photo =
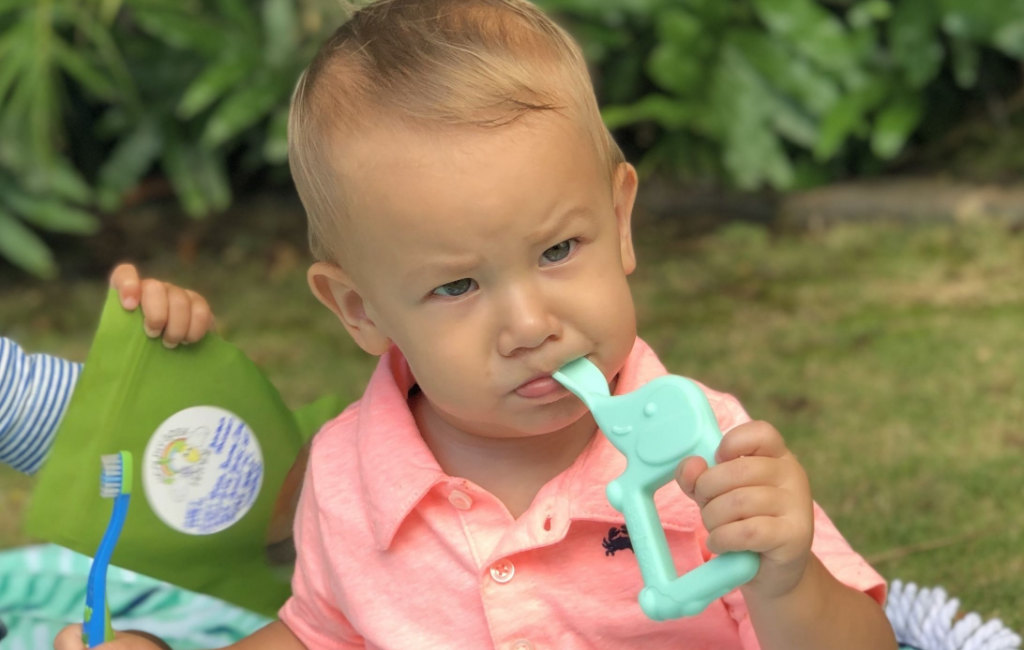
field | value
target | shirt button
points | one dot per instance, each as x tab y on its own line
460	500
522	644
503	571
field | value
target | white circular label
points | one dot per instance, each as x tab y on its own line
202	470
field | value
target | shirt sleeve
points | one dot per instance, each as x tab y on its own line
35	391
828	544
311	613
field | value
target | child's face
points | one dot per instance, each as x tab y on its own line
489	258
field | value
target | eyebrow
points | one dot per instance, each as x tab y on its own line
448	268
463	267
559	224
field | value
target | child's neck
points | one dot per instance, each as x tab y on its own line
512	469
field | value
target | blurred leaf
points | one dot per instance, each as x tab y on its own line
240	13
847	117
682	28
213	180
107	51
11	5
109	9
13	59
1010	39
622	77
895	124
280	27
178	166
180	30
23	248
671	113
60	180
966	61
219	77
753	153
129	160
786	71
50	214
912	36
673	70
974	19
83	71
863	14
275	148
243	109
810	29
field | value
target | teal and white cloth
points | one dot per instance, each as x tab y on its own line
42	589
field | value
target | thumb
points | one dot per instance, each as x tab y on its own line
70	638
687	474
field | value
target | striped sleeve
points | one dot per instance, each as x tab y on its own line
34	394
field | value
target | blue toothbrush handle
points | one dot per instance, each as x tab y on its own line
96	628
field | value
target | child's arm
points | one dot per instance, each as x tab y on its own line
35	390
757	498
820	612
275	636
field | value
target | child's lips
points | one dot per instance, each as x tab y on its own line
539	387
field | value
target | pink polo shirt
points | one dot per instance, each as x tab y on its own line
393	553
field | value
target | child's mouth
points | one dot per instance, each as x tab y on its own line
540	387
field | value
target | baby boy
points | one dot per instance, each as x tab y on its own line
470	215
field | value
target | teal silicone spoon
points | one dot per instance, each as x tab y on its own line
655	427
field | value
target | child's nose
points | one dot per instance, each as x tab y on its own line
527	321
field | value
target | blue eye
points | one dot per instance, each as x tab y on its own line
455	289
559	252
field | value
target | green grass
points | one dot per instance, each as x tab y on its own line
890	358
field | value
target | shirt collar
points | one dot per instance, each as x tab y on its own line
397	469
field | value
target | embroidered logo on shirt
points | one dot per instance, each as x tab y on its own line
617	540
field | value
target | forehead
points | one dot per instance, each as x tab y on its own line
428	185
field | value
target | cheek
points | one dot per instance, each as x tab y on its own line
446	365
602	306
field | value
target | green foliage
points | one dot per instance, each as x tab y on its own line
757	92
175	86
96	95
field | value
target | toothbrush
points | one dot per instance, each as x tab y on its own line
115	483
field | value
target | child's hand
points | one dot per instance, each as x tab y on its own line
757	498
182	316
70	638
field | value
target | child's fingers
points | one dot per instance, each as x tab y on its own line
743	503
154	307
202	318
70	638
687	473
750	471
125	280
179	315
758	534
751	439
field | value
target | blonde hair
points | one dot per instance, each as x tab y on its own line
436	62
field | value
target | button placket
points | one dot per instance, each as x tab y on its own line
502	571
460	500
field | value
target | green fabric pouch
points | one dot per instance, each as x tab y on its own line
213	442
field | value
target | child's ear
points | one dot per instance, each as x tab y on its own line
335	289
624	196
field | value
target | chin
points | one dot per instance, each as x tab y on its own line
555	416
